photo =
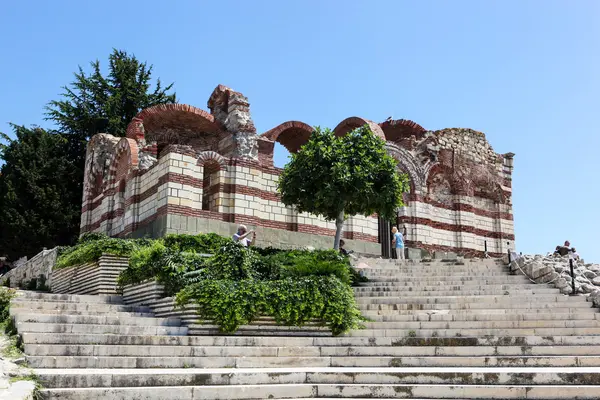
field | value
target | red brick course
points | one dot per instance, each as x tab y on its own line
172	209
465	252
455	228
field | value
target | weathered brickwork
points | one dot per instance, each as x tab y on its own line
178	160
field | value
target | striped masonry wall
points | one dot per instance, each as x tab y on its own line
246	192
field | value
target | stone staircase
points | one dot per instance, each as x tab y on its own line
437	331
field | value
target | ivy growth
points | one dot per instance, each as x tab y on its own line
230	303
233	285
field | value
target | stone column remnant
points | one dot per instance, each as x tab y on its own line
232	110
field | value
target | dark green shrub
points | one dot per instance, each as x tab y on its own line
91	237
232	261
230	303
297	263
144	264
5	296
169	267
202	243
92	250
41	284
30	284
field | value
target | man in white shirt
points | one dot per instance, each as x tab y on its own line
242	236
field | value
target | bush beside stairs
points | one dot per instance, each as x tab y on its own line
437	330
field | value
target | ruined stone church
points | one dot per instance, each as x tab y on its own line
181	169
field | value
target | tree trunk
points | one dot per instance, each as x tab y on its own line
339	224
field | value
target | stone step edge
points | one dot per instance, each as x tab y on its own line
261	341
310	390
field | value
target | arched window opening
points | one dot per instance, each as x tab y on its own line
211	184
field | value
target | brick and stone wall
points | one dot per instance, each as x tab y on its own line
182	169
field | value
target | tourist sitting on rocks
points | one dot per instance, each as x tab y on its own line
563	250
574	254
242	236
344	251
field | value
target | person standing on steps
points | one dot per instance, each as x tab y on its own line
398	244
242	236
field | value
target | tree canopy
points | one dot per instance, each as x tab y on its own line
94	103
42	178
335	177
38	207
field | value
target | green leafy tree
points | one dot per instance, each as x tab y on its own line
336	177
38	207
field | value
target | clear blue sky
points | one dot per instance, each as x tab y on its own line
524	72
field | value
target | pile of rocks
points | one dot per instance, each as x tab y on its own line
556	270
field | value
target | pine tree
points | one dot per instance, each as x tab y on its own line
97	104
41	185
38	207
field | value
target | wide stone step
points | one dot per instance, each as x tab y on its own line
432	269
392	305
483	324
482	292
242	376
433	274
102	329
460	299
435	268
466	361
404	309
422	316
68	298
314	390
442	277
112	362
435	288
340	341
85	313
94	320
474	332
488	361
394	264
453	281
308	351
68	307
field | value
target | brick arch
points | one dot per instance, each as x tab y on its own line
165	119
125	159
396	130
212	157
352	123
409	164
292	134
